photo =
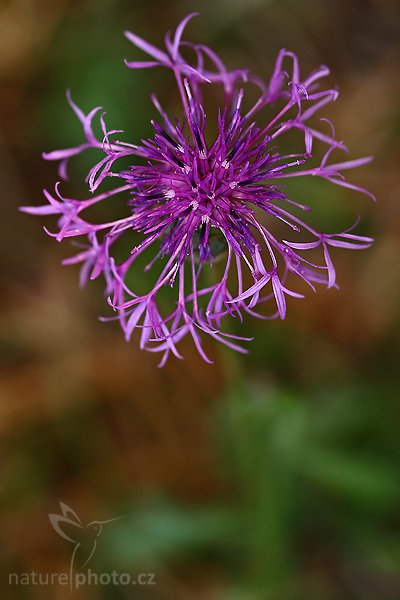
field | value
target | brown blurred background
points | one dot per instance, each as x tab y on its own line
272	476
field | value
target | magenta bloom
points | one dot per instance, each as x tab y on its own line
200	193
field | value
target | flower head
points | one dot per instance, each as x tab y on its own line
196	192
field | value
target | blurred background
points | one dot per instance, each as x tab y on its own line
270	476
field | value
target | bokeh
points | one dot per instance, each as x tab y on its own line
272	476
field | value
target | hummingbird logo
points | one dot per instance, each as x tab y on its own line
84	537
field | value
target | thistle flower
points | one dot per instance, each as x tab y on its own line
203	193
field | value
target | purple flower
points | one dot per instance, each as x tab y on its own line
198	194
